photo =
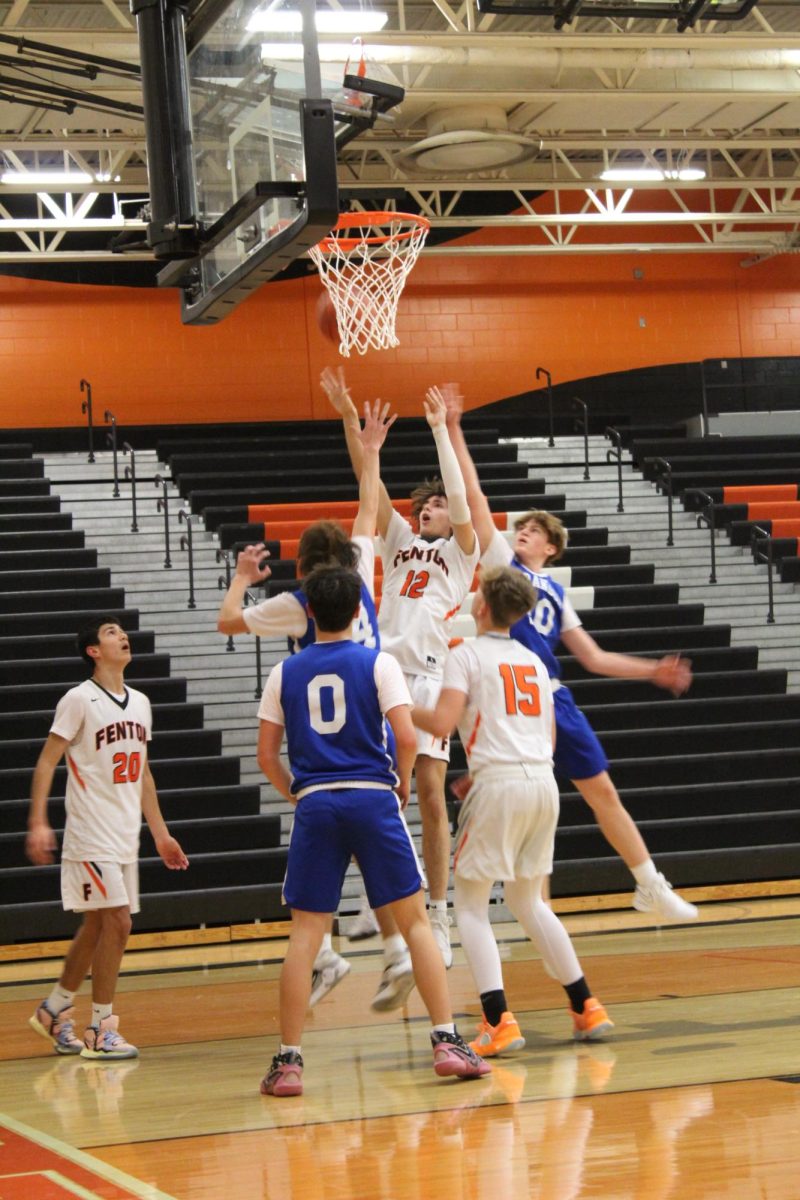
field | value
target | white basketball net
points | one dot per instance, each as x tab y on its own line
364	266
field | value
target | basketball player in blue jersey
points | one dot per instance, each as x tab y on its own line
539	541
330	701
287	614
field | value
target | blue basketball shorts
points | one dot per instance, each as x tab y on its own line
330	827
579	754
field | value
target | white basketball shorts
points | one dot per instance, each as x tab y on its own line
89	885
507	824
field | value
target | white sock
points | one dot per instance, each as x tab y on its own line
451	1028
393	947
59	999
326	943
289	1049
438	905
100	1012
646	873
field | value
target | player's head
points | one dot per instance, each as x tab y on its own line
430	510
101	636
503	596
333	594
539	538
325	543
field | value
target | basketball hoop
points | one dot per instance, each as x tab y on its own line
364	263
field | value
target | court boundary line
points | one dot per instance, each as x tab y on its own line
88	1162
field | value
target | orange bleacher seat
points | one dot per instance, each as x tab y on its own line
774	512
786	529
747	494
317	510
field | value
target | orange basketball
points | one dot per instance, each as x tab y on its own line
326	318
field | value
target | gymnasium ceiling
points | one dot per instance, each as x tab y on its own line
507	121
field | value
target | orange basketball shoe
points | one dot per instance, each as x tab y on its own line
498	1039
593	1023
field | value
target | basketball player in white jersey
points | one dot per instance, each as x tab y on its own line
103	728
499	695
286	615
426	576
331	701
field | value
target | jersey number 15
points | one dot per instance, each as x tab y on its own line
521	689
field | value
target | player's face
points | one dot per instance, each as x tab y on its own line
532	545
114	644
434	518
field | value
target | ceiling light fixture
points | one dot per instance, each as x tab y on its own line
352	21
45	178
651	175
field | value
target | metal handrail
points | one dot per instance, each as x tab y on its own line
708	515
583	421
86	407
544	371
111	440
616	437
186	515
756	529
224	581
130	473
249	598
163	506
668	473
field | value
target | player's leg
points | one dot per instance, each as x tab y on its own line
430	780
524	898
285	1075
451	1054
102	1037
580	757
653	892
54	1017
498	1031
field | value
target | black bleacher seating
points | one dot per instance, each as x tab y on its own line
50	586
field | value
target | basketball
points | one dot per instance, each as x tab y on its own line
326	318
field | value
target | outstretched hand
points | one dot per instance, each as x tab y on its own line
435	408
377	423
335	388
674	674
250	563
453	402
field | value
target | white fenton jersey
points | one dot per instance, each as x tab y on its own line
106	758
509	713
424	584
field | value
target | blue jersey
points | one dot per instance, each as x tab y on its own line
365	625
540	629
334	724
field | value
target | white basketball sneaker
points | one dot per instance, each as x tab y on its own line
658	898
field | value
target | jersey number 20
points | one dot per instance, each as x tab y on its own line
127	767
521	689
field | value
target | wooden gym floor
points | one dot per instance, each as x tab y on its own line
696	1096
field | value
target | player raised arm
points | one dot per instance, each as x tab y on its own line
336	389
452	478
377	423
478	504
251	568
673	673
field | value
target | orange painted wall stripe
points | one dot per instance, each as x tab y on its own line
772	512
770	491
